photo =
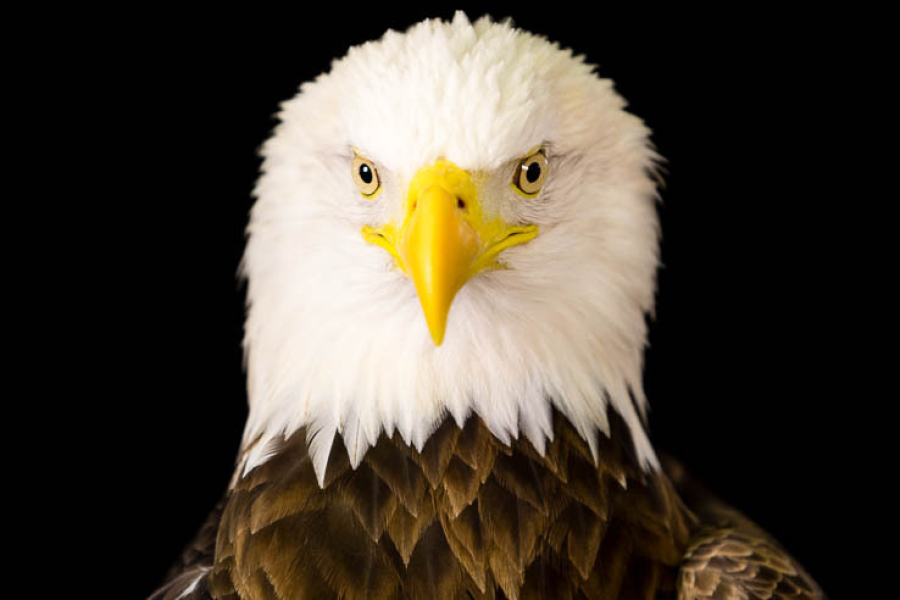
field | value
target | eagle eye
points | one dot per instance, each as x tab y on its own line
365	176
530	173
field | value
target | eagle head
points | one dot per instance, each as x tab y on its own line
456	219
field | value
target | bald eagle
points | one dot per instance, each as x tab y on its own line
449	263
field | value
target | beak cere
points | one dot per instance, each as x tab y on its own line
445	239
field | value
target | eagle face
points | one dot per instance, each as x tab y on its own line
456	219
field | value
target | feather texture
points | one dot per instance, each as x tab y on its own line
466	517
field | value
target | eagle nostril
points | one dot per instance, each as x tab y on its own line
460	203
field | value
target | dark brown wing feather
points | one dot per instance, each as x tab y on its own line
730	557
468	517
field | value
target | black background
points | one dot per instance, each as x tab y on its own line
744	371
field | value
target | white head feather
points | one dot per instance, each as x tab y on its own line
336	340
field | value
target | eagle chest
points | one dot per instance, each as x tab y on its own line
467	517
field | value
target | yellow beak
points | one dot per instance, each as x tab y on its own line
445	239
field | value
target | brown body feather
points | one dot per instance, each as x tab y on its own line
470	517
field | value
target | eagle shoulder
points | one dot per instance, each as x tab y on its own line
736	562
186	579
729	556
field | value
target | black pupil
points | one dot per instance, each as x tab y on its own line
533	172
365	173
